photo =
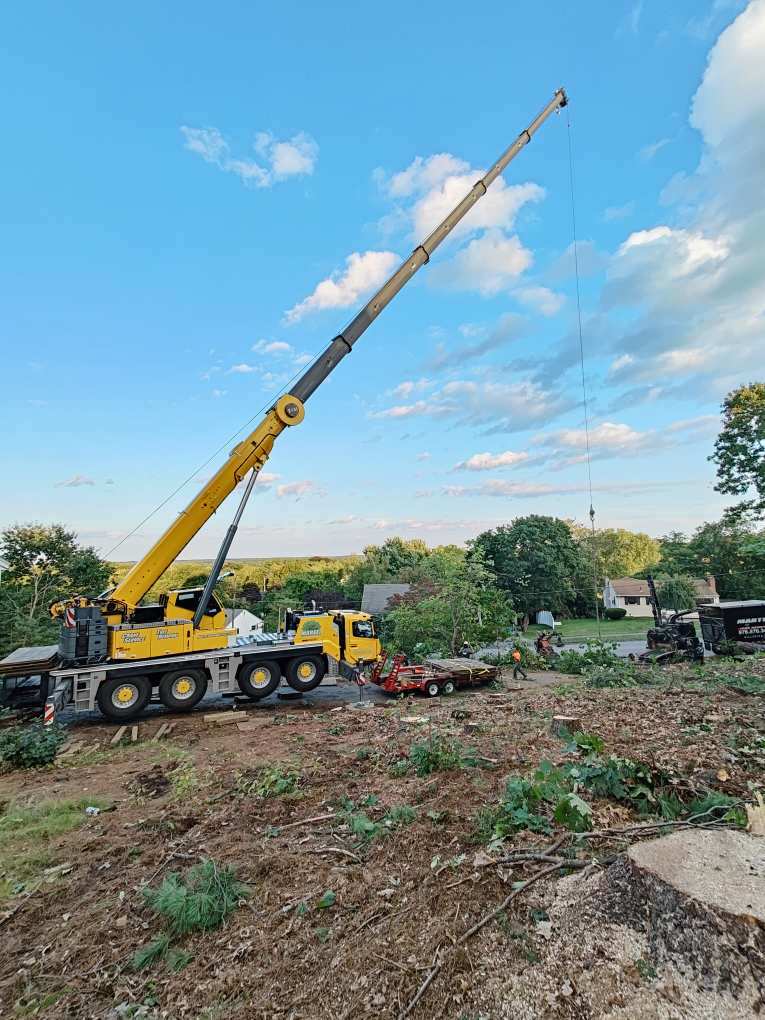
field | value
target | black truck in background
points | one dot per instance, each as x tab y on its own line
733	623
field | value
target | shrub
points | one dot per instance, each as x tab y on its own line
596	653
617	674
615	614
529	658
30	747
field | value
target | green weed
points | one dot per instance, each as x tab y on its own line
402	814
267	782
200	901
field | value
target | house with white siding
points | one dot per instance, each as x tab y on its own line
632	594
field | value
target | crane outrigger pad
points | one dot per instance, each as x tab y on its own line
30	661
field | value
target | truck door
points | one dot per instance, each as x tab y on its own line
361	640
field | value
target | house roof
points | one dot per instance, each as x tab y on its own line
376	597
233	614
626	586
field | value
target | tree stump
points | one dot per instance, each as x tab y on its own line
565	724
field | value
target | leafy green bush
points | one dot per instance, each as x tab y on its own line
437	755
30	747
596	653
529	658
616	613
200	901
402	814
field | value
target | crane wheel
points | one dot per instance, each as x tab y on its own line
259	679
305	673
432	688
182	689
121	699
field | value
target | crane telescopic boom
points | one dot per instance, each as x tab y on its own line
252	453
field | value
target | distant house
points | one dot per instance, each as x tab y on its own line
246	623
376	597
632	594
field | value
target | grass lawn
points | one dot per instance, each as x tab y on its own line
610	630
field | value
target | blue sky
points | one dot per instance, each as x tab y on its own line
195	199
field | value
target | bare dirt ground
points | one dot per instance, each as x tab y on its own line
402	898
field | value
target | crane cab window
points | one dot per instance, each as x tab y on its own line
189	600
363	629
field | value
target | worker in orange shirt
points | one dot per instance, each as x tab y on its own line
519	673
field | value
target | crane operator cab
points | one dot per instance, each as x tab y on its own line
347	635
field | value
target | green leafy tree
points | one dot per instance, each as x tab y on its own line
617	552
675	556
540	566
397	559
677	593
740	451
460	602
45	563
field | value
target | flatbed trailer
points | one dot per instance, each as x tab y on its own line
121	690
432	677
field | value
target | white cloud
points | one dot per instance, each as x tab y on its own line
297	490
266	479
541	299
695	290
303	359
75	481
363	273
618	212
283	159
490	461
242	368
296	157
272	347
565	447
488	264
508	328
409	386
649	151
424	455
503	407
217	394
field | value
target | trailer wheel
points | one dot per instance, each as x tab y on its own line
259	679
432	688
448	687
305	673
123	699
181	689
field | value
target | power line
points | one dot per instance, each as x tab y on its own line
212	456
581	357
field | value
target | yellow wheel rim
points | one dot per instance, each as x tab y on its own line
260	677
305	670
125	694
183	686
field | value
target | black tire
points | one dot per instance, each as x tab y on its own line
122	699
182	689
305	673
432	688
259	679
448	687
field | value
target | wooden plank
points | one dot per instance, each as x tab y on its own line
73	749
160	733
247	727
223	717
134	734
118	736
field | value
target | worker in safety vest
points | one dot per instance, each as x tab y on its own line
519	673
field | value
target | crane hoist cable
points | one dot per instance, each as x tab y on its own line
585	408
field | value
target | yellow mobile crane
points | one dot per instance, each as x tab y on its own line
117	652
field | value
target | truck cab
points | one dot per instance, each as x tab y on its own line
347	635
